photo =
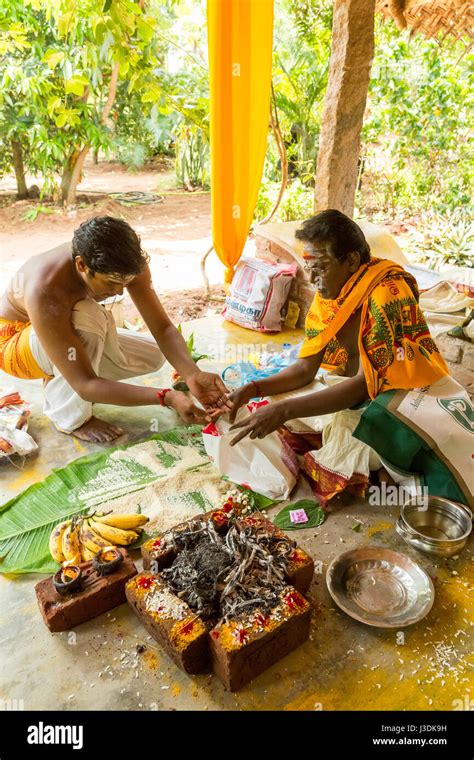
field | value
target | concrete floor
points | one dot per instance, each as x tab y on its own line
344	665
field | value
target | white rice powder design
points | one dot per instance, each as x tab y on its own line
169	499
111	482
147	454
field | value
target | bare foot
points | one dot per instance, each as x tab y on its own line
97	431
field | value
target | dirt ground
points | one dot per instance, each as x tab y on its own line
176	232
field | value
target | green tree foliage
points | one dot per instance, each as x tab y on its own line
416	152
131	77
183	100
67	58
300	69
416	137
87	74
25	87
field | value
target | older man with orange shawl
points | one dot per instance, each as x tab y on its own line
365	323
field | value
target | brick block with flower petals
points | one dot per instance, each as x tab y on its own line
170	621
242	649
237	641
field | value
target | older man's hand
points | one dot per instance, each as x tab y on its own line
261	422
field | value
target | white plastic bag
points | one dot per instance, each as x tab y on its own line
258	294
13	425
267	466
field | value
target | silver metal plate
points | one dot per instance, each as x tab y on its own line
380	587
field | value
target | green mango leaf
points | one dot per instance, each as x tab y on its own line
314	511
67	70
148	97
53	103
145	29
152	94
124	68
106	6
61	119
64	23
133	81
53	57
76	85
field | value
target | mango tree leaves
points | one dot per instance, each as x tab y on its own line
52	57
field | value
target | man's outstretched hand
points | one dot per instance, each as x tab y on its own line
260	423
186	408
209	389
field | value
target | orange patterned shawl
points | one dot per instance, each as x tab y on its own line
395	345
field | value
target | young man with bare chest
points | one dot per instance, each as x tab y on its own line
53	326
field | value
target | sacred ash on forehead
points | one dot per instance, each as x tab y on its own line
120	278
310	252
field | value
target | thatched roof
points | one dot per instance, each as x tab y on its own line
453	18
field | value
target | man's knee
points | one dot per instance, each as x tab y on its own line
156	360
89	316
147	355
143	354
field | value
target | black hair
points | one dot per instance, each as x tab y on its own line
109	245
341	234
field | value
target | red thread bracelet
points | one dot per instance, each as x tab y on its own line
257	388
161	395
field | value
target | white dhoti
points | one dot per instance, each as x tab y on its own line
114	354
342	461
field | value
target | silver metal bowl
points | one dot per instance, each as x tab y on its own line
380	587
434	525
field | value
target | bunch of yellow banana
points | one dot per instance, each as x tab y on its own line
79	539
56	540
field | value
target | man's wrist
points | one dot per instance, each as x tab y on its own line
286	409
253	390
167	397
162	394
193	372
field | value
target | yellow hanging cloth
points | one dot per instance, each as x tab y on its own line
240	34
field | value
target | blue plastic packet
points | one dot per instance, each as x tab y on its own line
242	373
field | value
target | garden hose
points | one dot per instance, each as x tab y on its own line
136	197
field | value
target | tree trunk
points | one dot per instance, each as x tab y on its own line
66	177
95	156
69	197
22	190
76	176
344	105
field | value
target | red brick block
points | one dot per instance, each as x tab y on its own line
242	649
97	594
170	621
